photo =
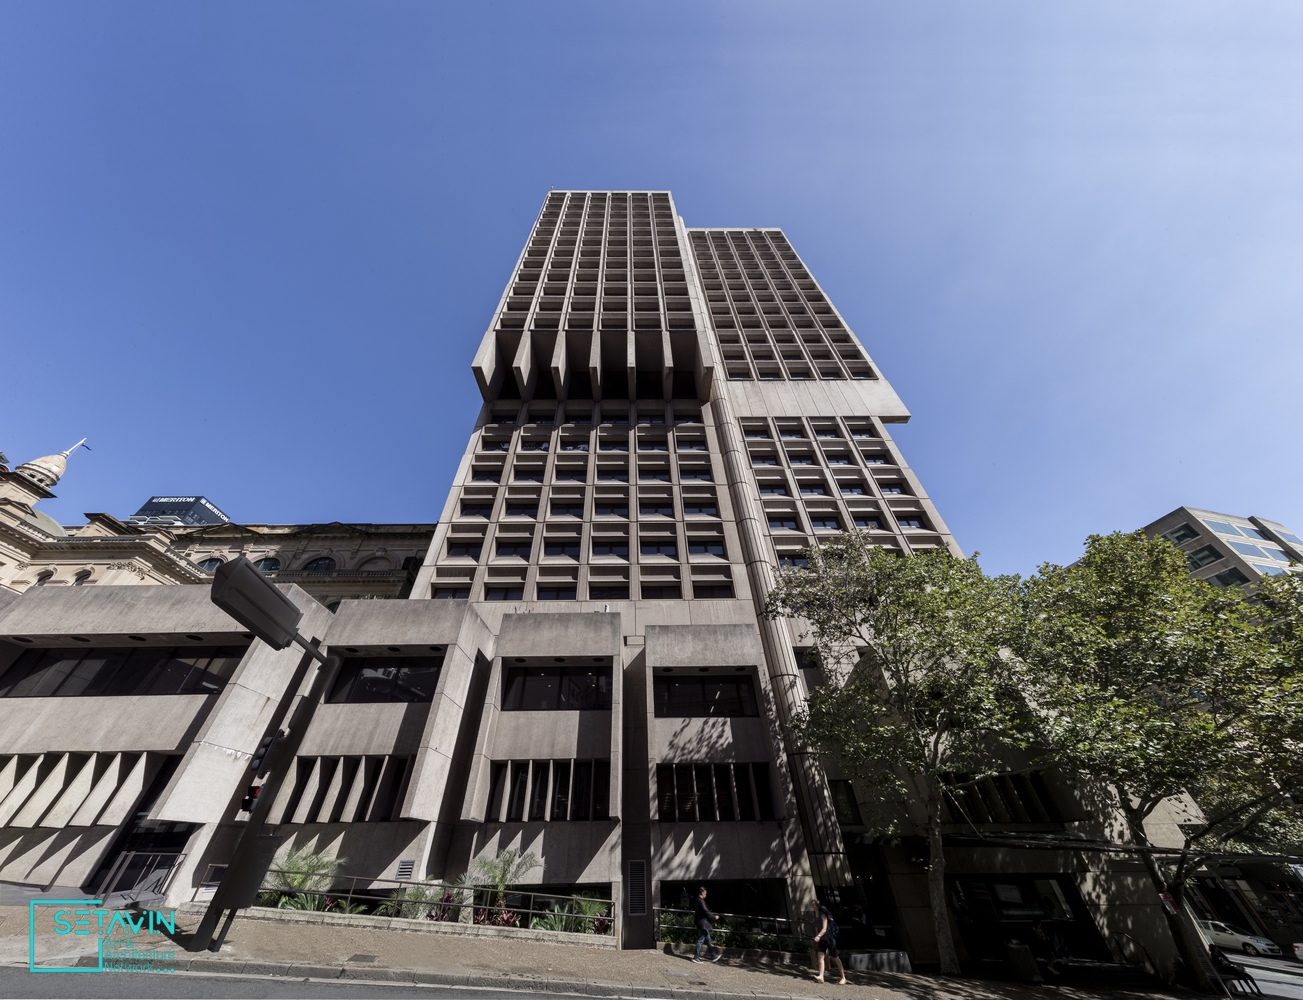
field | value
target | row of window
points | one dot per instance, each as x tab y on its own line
603	506
270	564
618	547
549	791
831	521
120	671
546	591
713	793
646	414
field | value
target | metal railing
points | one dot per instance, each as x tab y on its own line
137	874
732	930
440	901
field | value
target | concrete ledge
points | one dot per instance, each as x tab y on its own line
447	927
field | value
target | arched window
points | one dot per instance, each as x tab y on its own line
332	607
321	564
210	565
82	578
45	578
268	565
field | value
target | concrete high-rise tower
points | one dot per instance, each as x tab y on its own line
669	414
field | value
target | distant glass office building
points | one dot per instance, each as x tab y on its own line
1229	550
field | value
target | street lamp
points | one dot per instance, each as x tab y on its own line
253	601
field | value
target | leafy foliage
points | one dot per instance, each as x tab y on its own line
301	881
1156	683
915	685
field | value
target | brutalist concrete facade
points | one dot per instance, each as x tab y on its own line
581	671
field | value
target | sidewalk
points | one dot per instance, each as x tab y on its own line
272	948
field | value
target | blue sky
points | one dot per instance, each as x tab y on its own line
249	249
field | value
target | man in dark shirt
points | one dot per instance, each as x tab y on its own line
701	913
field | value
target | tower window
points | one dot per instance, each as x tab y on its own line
321	564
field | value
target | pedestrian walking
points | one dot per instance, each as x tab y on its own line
704	918
825	941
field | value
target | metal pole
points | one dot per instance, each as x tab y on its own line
243	855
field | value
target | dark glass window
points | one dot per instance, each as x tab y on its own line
117	671
208	565
711	508
611	547
706	793
658	548
504	593
470	550
452	593
270	564
545	689
661	592
705	548
704	695
522	510
1181	533
826	521
1230	578
322	564
663	509
1203	557
601	593
868	523
386	678
558	548
715	590
520	549
547	592
469	509
782	523
612	509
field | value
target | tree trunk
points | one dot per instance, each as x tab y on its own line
936	883
1189	944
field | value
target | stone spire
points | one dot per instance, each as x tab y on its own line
49	470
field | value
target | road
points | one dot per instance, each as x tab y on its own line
127	985
1279	977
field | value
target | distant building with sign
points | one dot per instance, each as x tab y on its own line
178	511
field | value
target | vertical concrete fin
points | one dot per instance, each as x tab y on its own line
322	813
353	798
8	776
109	774
309	794
50	786
23	787
74	794
128	794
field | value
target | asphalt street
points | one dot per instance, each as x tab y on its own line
21	983
1279	977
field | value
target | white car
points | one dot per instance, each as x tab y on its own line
1230	936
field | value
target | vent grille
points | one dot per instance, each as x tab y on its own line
405	870
637	888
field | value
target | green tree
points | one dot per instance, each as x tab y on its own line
1156	683
503	870
915	686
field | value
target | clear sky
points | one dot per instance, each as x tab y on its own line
249	249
